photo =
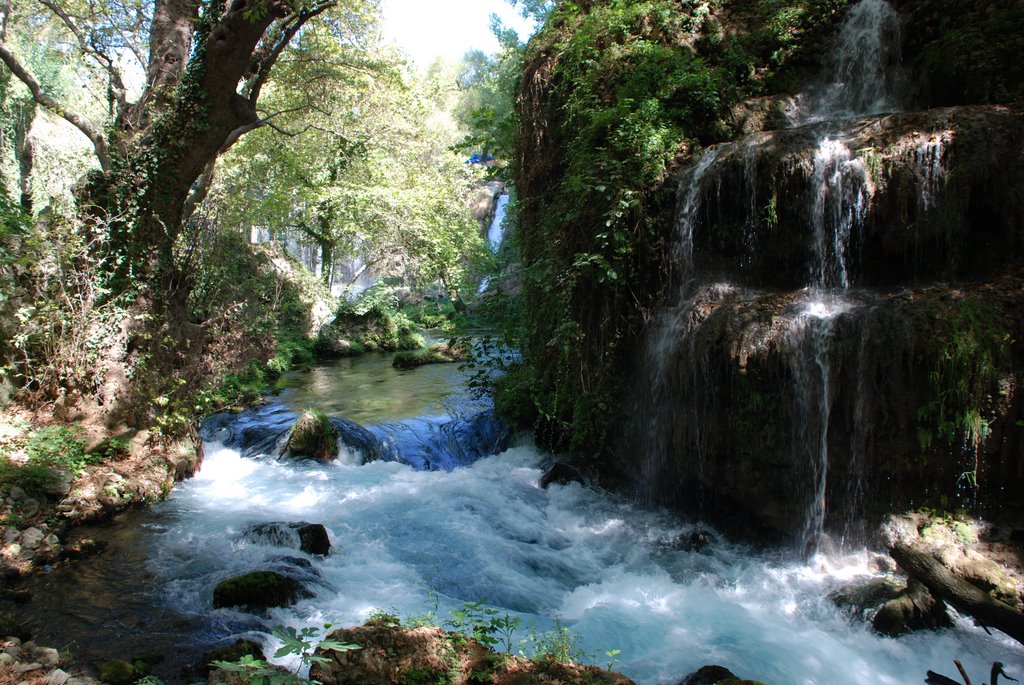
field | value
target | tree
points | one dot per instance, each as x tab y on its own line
206	64
203	67
376	181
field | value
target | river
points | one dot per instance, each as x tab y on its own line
412	541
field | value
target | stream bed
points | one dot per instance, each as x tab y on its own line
428	538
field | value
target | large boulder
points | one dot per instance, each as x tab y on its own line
915	609
311	538
312	437
258	591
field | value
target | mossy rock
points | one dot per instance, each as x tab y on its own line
119	672
444	353
313	437
258	591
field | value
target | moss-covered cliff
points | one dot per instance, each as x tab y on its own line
613	96
617	101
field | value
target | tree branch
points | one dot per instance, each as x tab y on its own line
199	192
83	124
289	27
88	47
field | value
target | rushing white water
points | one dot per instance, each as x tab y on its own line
843	191
610	570
496	232
866	76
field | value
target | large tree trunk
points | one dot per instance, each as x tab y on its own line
957	592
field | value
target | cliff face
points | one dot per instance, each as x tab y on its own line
800	308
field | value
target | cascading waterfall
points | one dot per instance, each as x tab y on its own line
691	188
496	231
495	235
843	190
929	169
866	74
809	340
864	80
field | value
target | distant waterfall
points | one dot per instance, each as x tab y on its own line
496	232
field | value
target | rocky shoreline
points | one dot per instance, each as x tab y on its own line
35	522
26	663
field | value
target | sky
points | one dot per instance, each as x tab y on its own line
428	29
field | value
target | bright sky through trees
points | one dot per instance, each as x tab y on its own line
428	29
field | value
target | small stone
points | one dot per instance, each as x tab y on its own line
17	494
31	538
28	668
47	656
12	550
60	486
6	659
51	540
28	508
11	535
58	677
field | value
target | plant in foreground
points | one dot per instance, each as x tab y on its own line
302	643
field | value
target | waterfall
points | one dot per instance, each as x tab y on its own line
842	192
691	187
929	169
496	232
810	339
680	382
866	75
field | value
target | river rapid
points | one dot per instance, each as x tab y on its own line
412	541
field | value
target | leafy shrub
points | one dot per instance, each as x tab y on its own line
62	447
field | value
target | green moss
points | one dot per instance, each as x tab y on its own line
313	436
258	590
969	355
119	672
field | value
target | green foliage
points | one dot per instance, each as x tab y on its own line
368	323
438	313
455	350
32	478
372	178
383	617
63	447
488	626
302	643
967	368
971	51
560	644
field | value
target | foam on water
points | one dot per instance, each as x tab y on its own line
404	539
